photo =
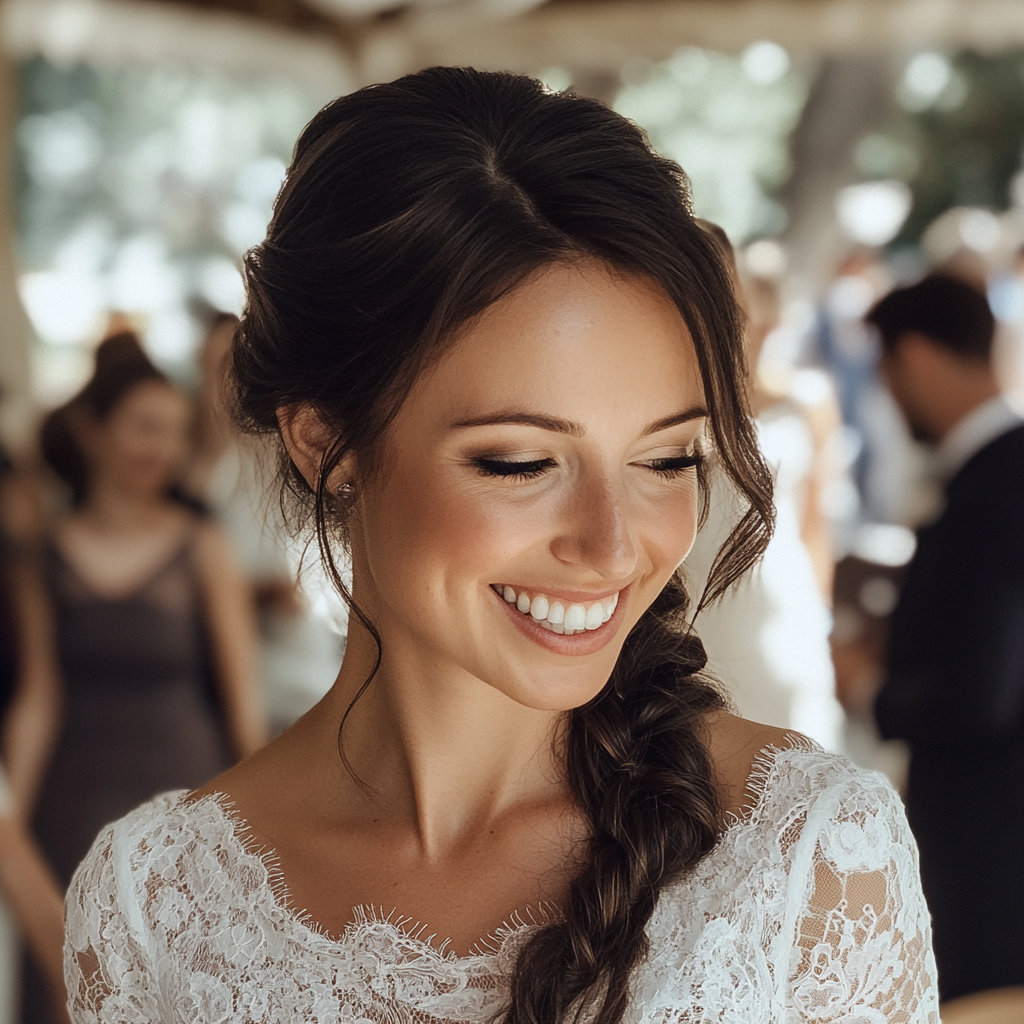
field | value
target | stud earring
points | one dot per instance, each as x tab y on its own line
347	491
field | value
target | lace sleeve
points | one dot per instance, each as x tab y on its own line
106	967
863	952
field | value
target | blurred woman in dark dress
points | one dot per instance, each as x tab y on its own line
147	604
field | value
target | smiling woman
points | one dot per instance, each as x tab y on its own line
494	346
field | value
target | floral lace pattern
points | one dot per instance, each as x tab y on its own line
808	910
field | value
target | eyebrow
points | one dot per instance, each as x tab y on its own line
560	426
693	413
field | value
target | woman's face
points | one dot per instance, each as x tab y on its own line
537	489
141	445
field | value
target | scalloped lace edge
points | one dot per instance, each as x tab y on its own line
486	947
762	768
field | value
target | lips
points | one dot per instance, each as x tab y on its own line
557	615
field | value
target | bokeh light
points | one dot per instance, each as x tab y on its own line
727	120
140	190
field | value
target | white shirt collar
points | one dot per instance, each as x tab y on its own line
977	429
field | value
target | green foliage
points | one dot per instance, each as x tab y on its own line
961	147
728	130
139	188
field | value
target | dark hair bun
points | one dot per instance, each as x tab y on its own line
121	363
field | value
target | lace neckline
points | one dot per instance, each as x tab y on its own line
405	932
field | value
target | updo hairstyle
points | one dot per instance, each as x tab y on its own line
408	209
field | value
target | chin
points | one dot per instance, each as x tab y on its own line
549	696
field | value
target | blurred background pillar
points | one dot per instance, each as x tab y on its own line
16	404
849	97
17	418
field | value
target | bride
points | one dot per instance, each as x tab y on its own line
495	345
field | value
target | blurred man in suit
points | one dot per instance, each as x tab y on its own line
955	675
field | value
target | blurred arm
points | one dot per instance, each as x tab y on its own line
32	723
815	528
34	896
231	621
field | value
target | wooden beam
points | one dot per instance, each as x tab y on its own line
147	32
604	34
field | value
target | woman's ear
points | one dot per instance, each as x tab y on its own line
306	438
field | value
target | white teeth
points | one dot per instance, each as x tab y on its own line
575	617
553	627
555	616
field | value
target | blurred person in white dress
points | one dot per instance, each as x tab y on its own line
301	627
767	638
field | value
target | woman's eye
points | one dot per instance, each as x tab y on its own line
515	470
675	466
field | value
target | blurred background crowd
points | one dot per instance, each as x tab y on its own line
159	620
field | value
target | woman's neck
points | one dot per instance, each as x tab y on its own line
441	751
109	508
214	435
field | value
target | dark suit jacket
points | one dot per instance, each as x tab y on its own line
955	692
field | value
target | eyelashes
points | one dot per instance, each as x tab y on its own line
513	470
530	470
673	467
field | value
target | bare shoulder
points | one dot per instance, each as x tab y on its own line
249	788
734	744
251	777
291	781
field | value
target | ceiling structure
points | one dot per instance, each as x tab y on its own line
334	46
374	40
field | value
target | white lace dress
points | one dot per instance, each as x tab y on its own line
808	910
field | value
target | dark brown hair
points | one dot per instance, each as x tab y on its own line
953	313
121	364
408	209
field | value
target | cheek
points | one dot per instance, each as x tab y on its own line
175	449
115	448
152	451
433	537
672	528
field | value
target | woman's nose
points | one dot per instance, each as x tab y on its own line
596	532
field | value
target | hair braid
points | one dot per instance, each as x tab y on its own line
638	767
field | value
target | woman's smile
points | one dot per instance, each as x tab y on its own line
564	622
